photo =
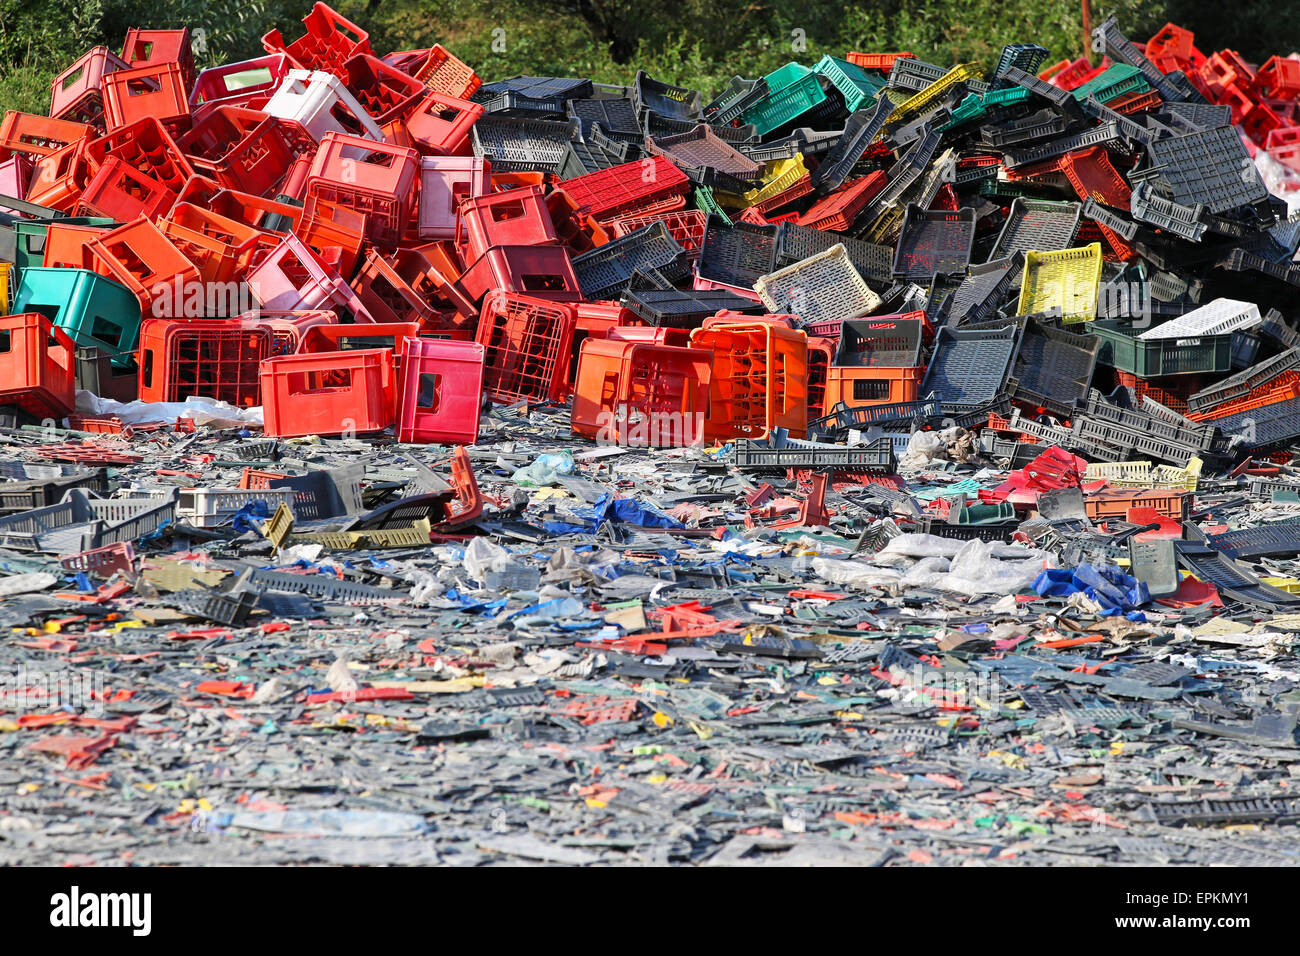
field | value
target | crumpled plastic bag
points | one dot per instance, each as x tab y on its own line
922	448
202	411
482	556
545	471
899	549
855	574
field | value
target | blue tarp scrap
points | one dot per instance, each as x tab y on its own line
1110	587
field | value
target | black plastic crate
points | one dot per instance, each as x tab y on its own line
1054	367
934	242
881	342
796	243
983	290
844	417
604	272
22	488
96	373
860	131
970	367
760	454
1151	208
616	116
1231	579
523	145
230	609
675	102
739	95
1040	125
675	309
738	254
1208	167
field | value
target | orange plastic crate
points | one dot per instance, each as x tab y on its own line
212	358
25	134
144	260
759	381
641	395
328	43
446	74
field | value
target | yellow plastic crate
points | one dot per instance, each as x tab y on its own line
778	176
958	74
1140	474
4	287
1289	585
1068	280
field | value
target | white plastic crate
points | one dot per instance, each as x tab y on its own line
310	97
820	288
210	507
1219	317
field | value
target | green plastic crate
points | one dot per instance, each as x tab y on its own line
1119	80
704	200
92	309
1008	96
851	80
1149	358
792	90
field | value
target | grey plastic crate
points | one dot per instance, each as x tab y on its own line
604	272
1038	225
970	367
934	242
1054	367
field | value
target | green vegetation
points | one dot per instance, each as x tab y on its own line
696	43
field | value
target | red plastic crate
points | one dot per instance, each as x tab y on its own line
327	393
212	358
381	185
439	125
441	392
59	179
1091	173
331	225
144	260
251	210
1284	146
216	85
1259	121
1279	76
75	94
1172	40
641	395
122	192
384	92
147	146
838	210
528	347
36	366
386	293
287	328
220	248
444	73
158	90
686	226
245	149
329	42
576	231
606	192
516	217
152	47
543	272
25	134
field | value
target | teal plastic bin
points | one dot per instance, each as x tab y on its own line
91	308
851	80
792	90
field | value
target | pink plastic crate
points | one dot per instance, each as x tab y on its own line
445	182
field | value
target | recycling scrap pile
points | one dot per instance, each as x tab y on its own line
879	463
